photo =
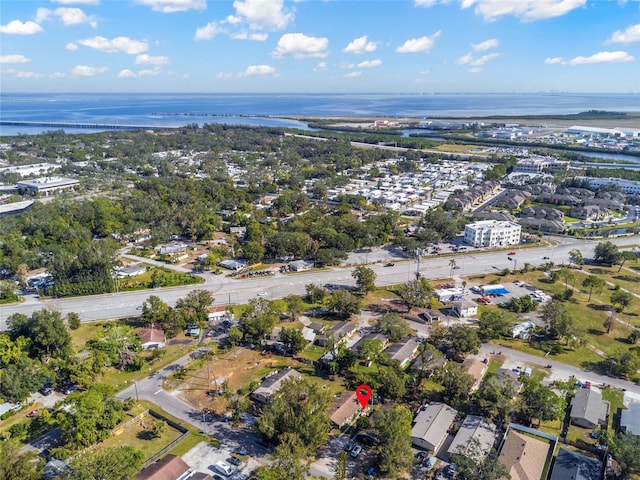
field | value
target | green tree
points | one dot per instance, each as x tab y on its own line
194	305
258	320
73	320
298	408
372	350
622	299
494	397
365	278
344	303
295	306
341	467
537	401
315	294
452	266
393	382
416	293
235	336
462	340
492	324
253	252
393	326
479	466
7	292
159	428
293	339
624	257
19	379
606	253
393	426
557	319
456	384
623	363
114	463
155	311
594	284
626	450
523	304
19	466
46	330
575	256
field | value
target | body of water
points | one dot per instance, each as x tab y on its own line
172	110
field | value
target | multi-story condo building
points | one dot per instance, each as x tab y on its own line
492	233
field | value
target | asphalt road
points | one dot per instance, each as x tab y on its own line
227	290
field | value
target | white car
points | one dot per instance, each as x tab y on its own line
355	451
224	468
262	294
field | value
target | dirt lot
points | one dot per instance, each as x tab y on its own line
238	368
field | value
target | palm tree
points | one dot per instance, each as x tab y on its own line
452	264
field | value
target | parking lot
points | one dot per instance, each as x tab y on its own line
203	457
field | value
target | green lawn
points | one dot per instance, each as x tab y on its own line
137	435
615	399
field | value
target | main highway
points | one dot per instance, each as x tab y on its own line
227	290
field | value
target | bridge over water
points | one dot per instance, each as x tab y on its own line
96	126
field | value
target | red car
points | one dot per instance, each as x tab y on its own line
511	253
33	413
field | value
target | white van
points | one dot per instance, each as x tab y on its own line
224	468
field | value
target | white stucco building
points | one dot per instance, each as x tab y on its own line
492	233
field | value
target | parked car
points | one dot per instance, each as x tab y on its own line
450	470
389	264
349	446
70	389
33	413
429	463
241	451
234	461
511	253
355	451
224	468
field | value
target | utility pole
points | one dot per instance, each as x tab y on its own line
419	253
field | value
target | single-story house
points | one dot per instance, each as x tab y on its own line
300	265
131	270
272	383
465	308
171	248
476	368
475	438
340	332
524	456
371	336
430	316
345	408
151	338
505	375
446	295
575	466
630	416
316	327
588	410
308	334
171	467
217	313
403	351
431	426
233	264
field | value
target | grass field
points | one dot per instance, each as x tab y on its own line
138	435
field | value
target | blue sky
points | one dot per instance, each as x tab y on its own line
316	46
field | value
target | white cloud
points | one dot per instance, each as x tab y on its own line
346	65
320	66
17	27
126	73
68	16
602	57
77	2
484	46
429	3
553	60
14	59
629	35
207	32
263	14
425	72
468	59
525	10
474	70
419	45
258	37
299	45
172	6
72	47
360	45
117	44
353	75
370	64
88	70
22	74
224	76
259	70
57	75
149	60
149	72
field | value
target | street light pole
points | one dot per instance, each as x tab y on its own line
135	385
